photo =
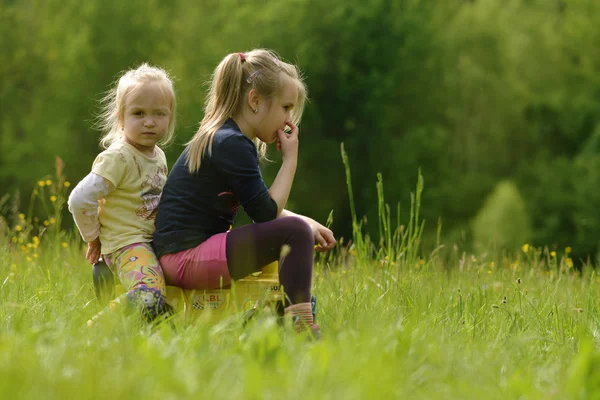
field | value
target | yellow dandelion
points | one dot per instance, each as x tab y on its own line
35	255
53	198
489	272
48	182
492	264
42	183
52	220
525	248
422	262
552	254
67	183
18	228
65	245
568	249
28	258
29	245
21	216
35	245
569	262
23	248
46	223
35	239
14	239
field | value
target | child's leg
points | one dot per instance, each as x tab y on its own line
247	249
251	247
140	274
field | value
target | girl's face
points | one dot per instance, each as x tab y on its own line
276	112
146	117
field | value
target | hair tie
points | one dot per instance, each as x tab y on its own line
242	56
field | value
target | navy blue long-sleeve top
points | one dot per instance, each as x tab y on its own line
193	207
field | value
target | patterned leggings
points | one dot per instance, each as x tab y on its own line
142	277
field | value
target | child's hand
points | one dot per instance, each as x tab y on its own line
323	237
287	143
93	251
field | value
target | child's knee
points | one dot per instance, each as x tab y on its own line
299	227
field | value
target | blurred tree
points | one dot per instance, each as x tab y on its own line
503	222
473	93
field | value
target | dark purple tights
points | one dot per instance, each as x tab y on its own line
251	247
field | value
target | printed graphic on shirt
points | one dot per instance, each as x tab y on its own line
151	190
227	204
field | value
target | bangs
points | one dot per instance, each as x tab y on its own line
164	89
298	109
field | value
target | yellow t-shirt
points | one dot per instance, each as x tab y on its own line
127	214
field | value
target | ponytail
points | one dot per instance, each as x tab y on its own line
222	100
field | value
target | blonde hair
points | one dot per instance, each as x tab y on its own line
233	78
113	103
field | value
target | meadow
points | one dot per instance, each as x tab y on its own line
397	323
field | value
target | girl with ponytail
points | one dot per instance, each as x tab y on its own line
254	99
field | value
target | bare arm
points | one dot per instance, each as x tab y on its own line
282	185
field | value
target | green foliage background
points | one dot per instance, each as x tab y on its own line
471	92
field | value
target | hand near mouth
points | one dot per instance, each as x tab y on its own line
287	143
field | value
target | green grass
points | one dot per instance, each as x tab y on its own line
429	330
396	324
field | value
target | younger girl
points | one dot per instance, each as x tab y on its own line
253	96
115	206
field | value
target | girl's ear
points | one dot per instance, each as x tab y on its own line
253	99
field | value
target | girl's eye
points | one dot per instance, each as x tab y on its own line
138	113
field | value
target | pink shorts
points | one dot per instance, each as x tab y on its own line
202	267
